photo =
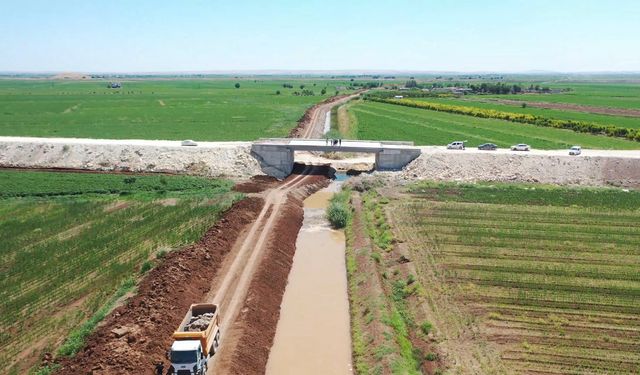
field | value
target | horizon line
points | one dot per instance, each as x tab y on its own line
317	72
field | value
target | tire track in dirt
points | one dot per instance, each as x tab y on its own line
255	268
312	122
241	253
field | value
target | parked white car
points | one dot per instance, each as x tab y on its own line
189	142
575	150
457	145
520	147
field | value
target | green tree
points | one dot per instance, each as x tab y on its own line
237	85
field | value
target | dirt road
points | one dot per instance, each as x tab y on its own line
228	266
312	123
233	284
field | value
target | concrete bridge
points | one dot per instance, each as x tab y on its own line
276	155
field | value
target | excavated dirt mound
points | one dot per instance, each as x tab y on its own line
136	336
256	184
261	310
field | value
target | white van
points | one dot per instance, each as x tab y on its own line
575	150
457	145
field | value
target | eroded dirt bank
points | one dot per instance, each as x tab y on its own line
136	335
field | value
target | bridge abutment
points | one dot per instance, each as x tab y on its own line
395	159
275	160
276	156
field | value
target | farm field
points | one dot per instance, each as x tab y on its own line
545	278
72	243
425	127
615	95
205	109
481	102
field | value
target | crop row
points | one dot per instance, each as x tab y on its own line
55	251
548	282
577	126
40	184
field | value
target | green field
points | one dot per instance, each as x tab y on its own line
548	276
205	109
381	121
73	239
617	95
475	101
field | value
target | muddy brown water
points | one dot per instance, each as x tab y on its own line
313	333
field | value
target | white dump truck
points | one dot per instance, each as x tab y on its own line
196	339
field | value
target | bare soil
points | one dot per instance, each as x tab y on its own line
256	184
135	336
252	323
311	124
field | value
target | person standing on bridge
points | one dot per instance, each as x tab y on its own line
340	142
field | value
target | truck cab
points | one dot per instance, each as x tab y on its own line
187	358
196	339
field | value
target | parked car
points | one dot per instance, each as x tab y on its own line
488	146
520	147
575	150
457	145
189	142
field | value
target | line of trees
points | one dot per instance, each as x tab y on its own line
305	92
577	126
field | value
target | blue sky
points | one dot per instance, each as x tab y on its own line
240	35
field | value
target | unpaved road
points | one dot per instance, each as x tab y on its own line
318	114
231	287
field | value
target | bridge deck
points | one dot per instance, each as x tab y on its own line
344	146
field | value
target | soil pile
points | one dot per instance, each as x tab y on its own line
214	159
199	323
136	336
442	165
